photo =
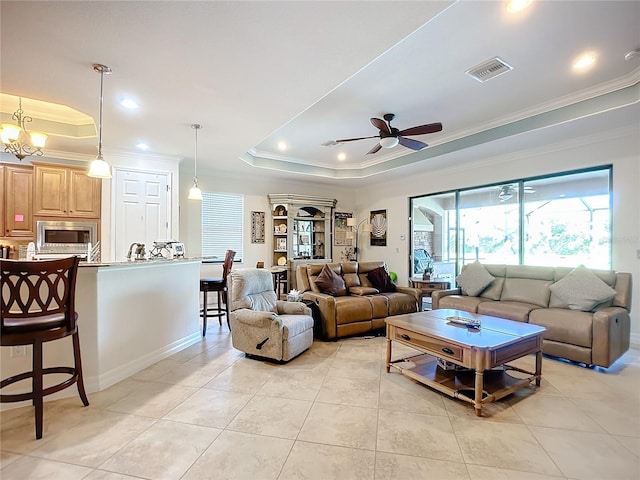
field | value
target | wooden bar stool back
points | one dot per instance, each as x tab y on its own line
218	285
38	306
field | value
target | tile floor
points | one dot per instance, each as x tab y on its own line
209	412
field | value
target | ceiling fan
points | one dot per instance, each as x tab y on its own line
391	136
507	191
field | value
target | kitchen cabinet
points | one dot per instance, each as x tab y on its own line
16	192
64	191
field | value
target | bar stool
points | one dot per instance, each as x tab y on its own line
218	285
38	305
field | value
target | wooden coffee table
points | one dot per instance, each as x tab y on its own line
477	352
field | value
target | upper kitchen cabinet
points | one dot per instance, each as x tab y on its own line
16	193
63	191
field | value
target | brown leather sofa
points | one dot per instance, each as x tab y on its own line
363	308
525	293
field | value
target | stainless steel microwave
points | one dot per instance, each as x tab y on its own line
65	237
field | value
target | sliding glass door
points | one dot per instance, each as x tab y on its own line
562	219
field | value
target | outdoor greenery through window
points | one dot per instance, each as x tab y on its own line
222	225
558	220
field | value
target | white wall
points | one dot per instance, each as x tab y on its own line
620	149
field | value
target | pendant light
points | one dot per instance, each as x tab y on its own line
99	168
194	192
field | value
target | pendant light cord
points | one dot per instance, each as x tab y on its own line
196	127
100	118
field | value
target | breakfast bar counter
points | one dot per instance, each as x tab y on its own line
130	315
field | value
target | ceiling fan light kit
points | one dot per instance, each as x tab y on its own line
390	136
98	167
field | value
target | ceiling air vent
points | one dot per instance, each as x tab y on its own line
489	69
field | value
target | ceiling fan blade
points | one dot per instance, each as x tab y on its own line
354	139
411	143
375	149
422	129
380	125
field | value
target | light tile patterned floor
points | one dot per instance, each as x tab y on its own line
209	412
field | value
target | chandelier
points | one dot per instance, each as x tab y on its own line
17	140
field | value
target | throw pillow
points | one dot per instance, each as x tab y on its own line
330	282
581	289
380	279
474	279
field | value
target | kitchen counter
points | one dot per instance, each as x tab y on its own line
136	263
130	316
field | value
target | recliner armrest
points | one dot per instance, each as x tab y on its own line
255	318
292	308
437	294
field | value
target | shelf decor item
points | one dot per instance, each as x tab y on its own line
281	244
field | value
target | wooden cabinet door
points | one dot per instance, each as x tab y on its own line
84	194
51	191
19	201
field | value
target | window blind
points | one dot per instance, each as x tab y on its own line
222	224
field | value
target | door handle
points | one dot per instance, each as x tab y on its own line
447	350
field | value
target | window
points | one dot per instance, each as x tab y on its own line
555	220
222	225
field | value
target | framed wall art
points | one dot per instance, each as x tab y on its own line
340	229
257	227
378	221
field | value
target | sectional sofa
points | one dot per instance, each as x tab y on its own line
358	307
585	312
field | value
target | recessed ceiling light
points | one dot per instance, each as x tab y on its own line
128	103
342	156
584	62
142	146
517	5
282	146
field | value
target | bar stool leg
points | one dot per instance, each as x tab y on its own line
78	363
219	307
204	313
37	386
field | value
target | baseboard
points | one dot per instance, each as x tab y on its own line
635	340
106	379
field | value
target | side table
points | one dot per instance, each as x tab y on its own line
318	328
427	286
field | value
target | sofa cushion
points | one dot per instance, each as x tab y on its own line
566	326
363	291
461	302
351	309
494	290
518	311
380	279
379	306
474	279
400	303
527	290
582	290
330	282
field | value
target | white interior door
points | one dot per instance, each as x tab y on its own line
142	211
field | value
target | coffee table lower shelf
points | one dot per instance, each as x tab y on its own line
461	383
